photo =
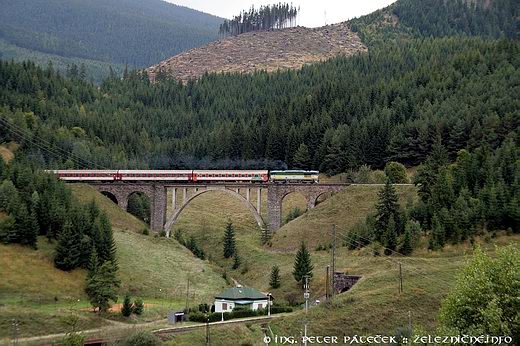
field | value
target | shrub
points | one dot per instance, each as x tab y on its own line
138	306
162	234
396	173
126	310
204	307
141	339
73	339
145	231
278	309
359	236
293	299
293	214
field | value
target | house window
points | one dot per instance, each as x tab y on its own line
260	306
224	306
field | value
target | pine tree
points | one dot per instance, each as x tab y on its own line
126	310
302	264
274	281
229	241
68	254
101	286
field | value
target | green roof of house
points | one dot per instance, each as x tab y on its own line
238	293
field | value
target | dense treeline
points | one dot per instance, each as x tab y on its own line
388	105
276	16
440	18
479	192
134	32
34	204
446	18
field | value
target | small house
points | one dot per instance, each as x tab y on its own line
245	297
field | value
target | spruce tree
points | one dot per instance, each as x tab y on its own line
387	207
68	254
138	306
101	286
437	236
103	239
93	263
274	281
390	237
302	264
406	247
302	157
229	241
236	260
126	309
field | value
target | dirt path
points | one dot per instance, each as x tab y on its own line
122	327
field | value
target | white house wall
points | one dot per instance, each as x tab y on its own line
231	305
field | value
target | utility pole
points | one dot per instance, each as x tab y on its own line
333	279
207	331
187	293
400	279
269	304
15	332
306	295
327	283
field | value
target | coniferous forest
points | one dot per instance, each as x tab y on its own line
269	17
101	34
391	104
446	101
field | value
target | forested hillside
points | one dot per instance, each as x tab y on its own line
134	32
390	104
440	18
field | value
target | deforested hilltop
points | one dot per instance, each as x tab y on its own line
289	48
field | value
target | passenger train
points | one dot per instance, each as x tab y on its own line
191	176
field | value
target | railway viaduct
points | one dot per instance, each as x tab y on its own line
182	194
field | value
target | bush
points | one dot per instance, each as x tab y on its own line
293	299
145	231
278	309
204	307
293	214
73	339
396	173
138	306
126	310
179	236
141	339
359	236
238	312
162	234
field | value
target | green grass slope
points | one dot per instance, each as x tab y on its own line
372	306
344	210
156	269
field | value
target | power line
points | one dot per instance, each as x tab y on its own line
394	262
46	146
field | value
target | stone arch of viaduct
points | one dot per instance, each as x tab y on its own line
157	193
